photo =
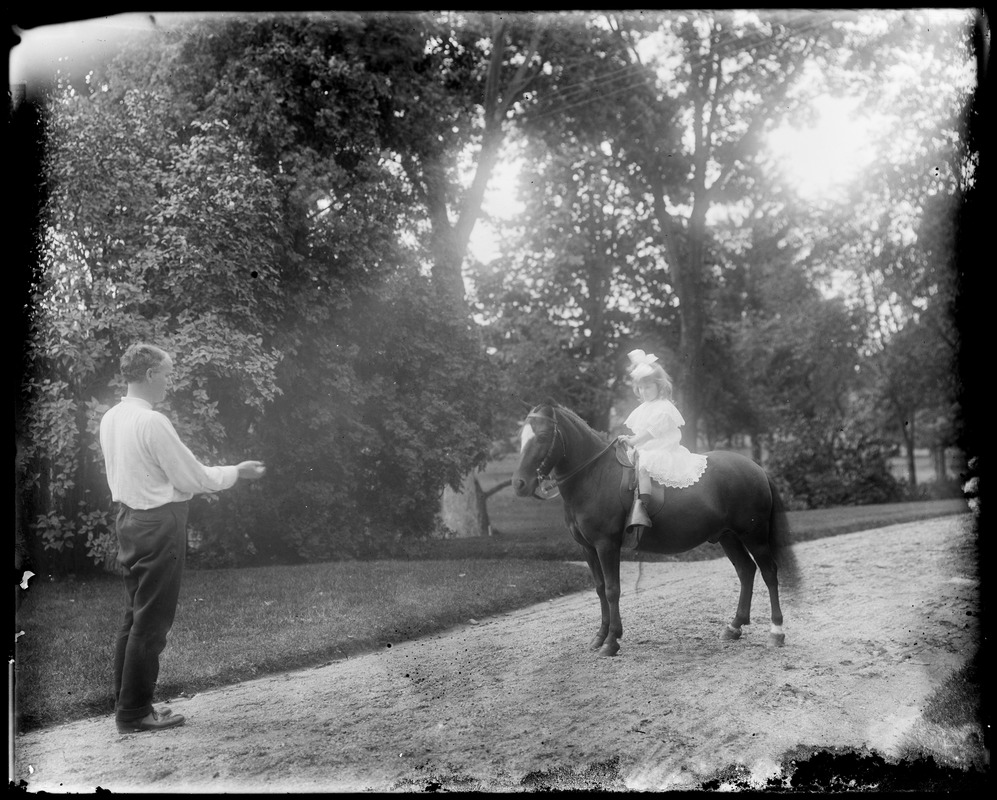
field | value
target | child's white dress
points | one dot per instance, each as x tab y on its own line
664	458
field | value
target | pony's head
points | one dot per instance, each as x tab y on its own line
541	446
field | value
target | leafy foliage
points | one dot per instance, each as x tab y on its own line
381	412
150	236
302	327
852	467
557	310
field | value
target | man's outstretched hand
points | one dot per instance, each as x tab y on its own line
251	470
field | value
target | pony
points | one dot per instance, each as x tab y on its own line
734	503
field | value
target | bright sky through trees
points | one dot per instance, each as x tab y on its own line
821	158
502	203
818	160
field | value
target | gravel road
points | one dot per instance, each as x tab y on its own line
518	702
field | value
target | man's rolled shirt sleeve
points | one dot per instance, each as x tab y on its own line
181	467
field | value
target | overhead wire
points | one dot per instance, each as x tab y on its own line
691	62
586	88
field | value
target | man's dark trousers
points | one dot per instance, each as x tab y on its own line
152	545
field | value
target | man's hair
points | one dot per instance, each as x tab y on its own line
139	358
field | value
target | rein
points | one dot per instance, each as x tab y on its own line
579	468
545	475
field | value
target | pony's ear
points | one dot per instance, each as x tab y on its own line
527	405
550	401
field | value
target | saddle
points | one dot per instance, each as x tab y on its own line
628	490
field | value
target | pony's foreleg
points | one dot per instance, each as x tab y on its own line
609	559
592	558
745	567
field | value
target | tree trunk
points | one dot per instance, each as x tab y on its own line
462	512
941	472
691	315
465	512
686	265
757	453
911	462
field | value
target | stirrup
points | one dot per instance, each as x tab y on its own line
638	516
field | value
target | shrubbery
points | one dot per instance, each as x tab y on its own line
946	489
378	414
850	468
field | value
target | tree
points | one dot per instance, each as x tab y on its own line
469	79
354	182
231	255
578	259
148	232
732	83
575	264
759	249
806	367
684	125
901	237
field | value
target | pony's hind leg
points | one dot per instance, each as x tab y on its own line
745	567
763	556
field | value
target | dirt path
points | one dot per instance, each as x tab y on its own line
517	701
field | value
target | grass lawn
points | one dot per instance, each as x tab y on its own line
237	624
242	623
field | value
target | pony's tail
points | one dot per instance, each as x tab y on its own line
781	542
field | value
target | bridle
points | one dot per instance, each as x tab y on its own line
544	470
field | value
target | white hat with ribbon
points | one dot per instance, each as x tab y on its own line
640	363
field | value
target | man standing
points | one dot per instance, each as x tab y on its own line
152	475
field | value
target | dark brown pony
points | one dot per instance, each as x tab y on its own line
733	503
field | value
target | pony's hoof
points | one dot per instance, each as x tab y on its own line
597	642
777	640
609	649
730	633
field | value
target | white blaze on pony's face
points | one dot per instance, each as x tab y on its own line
527	436
524	478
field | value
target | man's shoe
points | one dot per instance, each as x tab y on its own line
151	722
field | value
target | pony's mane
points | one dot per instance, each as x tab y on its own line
577	419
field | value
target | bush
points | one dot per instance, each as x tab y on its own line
382	407
849	468
932	490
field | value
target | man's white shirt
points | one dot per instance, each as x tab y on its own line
147	464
